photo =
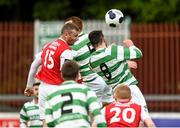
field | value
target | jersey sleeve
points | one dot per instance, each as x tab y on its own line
74	53
144	114
124	53
94	108
103	111
33	69
23	117
66	55
49	114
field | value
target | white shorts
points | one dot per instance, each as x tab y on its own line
102	90
44	90
137	96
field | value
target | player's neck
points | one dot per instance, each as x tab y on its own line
100	46
35	100
123	100
62	37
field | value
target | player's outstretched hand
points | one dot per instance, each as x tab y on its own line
28	91
132	64
128	43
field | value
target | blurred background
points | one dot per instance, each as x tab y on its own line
153	25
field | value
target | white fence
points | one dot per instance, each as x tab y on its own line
46	31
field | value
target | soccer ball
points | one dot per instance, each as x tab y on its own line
114	17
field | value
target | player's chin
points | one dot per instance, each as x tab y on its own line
71	42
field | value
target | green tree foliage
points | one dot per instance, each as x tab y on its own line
156	10
51	10
138	10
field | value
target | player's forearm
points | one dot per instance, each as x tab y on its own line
149	123
33	69
132	53
132	64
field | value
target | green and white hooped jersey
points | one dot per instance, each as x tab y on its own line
29	115
82	50
69	106
110	63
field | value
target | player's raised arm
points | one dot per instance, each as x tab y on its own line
134	51
132	64
126	52
33	69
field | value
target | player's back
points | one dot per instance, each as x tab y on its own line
106	63
123	114
69	105
83	49
50	71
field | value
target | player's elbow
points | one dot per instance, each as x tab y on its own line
139	54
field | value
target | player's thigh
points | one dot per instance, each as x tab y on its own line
137	95
97	85
107	95
102	90
44	90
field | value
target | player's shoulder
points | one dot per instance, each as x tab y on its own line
82	86
66	87
135	105
112	46
82	40
110	105
38	55
83	36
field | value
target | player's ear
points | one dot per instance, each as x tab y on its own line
130	98
78	76
66	34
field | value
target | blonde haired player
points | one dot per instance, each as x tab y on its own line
51	60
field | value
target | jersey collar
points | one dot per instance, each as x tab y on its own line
80	34
62	39
33	102
123	101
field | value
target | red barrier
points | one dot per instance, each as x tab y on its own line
9	123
